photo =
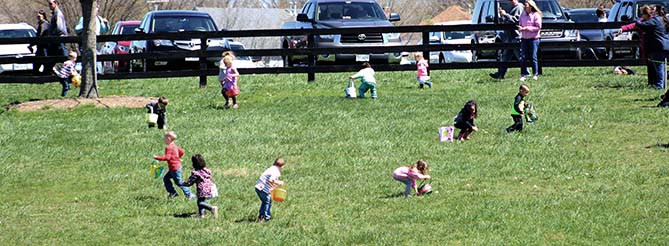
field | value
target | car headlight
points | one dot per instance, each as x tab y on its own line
328	37
394	37
162	42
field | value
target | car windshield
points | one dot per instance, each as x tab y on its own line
183	24
128	29
234	47
17	33
350	11
584	16
550	9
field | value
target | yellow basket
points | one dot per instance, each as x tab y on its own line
279	193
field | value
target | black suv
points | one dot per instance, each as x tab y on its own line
485	12
628	11
167	21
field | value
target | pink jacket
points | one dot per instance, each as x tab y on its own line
532	22
408	172
642	37
422	66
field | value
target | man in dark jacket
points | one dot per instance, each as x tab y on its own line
510	36
42	31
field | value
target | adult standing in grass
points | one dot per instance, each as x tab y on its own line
530	27
41	49
57	28
268	180
510	36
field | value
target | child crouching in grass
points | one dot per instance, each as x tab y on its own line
205	188
409	174
465	120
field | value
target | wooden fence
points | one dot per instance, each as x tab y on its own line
312	52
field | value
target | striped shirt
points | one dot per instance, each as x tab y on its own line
271	174
65	71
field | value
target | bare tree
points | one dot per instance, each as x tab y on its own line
89	85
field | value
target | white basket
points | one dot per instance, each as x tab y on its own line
151	118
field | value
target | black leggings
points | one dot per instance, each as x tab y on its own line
517	123
202	205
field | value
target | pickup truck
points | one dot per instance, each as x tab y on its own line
332	14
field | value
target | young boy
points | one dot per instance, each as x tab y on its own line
518	107
159	107
173	155
66	72
266	183
368	80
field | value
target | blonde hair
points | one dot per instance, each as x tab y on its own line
524	87
171	134
279	162
534	7
228	53
418	55
227	60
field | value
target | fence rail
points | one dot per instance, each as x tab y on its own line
311	68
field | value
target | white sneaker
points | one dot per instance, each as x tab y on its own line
523	78
535	77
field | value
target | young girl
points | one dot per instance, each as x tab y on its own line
409	174
422	66
266	183
173	155
465	120
228	77
202	177
518	105
66	72
368	80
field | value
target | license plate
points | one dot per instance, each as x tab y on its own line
22	66
192	59
361	58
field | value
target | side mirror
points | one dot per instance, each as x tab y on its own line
625	18
490	19
394	17
139	30
567	15
303	18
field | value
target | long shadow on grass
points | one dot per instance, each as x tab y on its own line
248	219
184	215
666	146
216	106
393	196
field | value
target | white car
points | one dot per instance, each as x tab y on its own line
21	30
451	37
240	61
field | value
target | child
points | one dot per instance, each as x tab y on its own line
202	177
465	120
518	105
66	72
159	107
173	157
368	80
228	76
266	183
422	66
409	174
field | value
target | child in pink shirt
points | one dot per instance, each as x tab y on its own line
409	174
228	77
422	66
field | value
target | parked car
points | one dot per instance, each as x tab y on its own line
451	37
330	14
240	61
486	12
173	21
21	30
627	11
120	47
589	15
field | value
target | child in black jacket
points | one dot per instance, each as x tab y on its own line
465	120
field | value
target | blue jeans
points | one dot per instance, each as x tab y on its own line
65	82
364	86
176	176
202	205
529	49
657	63
409	185
265	205
507	55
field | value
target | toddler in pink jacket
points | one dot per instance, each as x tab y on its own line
409	174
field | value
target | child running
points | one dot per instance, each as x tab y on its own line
202	177
422	67
465	120
368	80
173	155
409	174
266	183
228	76
518	107
66	72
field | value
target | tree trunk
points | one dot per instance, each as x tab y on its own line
89	77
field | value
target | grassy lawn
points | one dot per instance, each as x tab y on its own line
593	170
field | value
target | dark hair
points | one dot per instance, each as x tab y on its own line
163	100
661	11
600	12
42	13
366	65
198	162
467	108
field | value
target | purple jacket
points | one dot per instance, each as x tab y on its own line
202	178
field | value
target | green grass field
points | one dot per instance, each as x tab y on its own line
593	170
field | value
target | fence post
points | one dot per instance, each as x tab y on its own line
426	43
203	62
311	75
